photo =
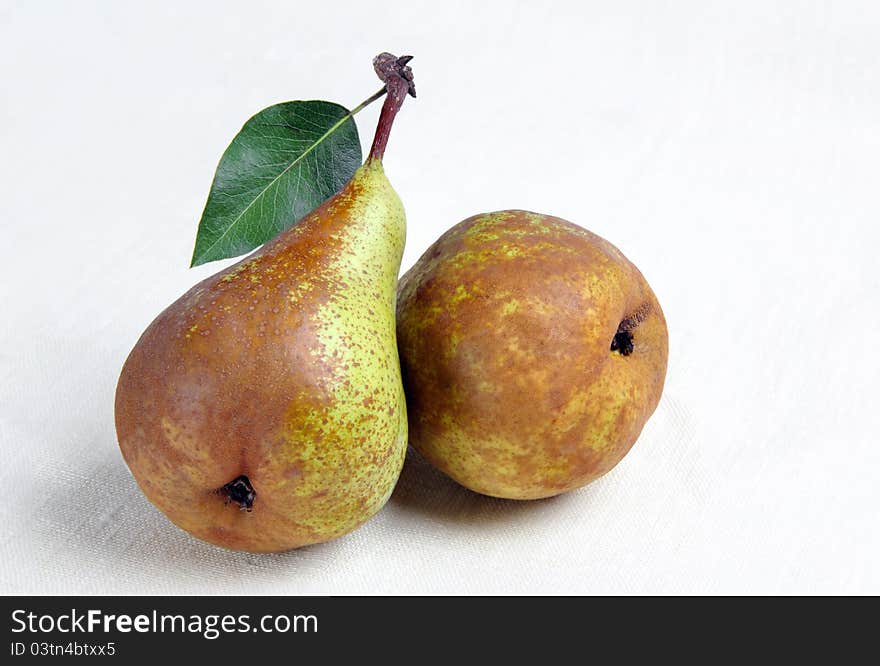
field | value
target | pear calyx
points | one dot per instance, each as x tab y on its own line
622	341
241	492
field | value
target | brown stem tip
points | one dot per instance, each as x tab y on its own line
398	79
391	69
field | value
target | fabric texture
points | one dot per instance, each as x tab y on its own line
728	149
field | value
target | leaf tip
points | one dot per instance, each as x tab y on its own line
197	259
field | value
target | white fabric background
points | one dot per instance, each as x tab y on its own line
731	150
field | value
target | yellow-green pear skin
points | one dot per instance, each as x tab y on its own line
533	353
281	370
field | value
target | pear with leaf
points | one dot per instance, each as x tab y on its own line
263	410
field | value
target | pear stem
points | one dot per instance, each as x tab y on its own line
398	80
372	98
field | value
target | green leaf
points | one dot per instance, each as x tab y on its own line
285	161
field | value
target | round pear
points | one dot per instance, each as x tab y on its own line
533	352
